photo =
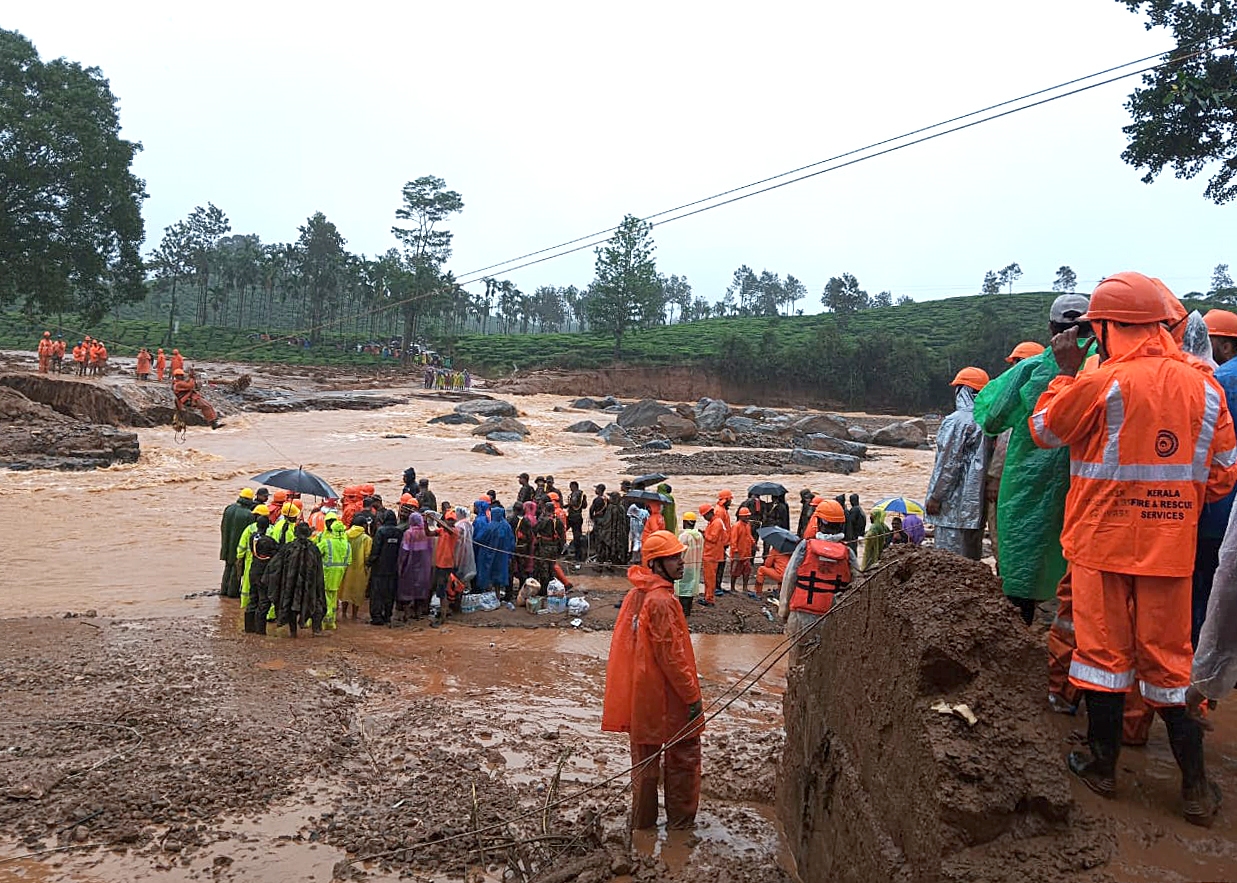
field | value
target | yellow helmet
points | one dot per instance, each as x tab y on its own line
261	509
246	493
291	512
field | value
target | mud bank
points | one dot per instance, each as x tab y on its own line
33	436
674	383
877	785
116	401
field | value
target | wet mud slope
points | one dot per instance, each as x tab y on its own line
33	436
877	785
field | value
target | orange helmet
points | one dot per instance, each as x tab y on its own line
975	378
831	511
743	510
1130	298
661	544
1026	350
406	498
279	497
706	508
1221	323
725	495
47	334
179	372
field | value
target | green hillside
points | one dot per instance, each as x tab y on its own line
898	357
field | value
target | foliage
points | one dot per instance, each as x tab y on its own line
1222	288
1009	275
1184	116
70	208
1066	281
626	291
992	283
843	296
427	203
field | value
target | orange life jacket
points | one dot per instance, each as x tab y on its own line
824	572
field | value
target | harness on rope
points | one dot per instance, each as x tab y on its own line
180	430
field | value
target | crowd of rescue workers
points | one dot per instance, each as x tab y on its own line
1101	468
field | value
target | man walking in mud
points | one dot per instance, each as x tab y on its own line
652	689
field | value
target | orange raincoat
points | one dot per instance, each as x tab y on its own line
651	673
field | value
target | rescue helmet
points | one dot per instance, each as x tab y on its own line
689	516
975	378
706	508
743	510
280	496
47	334
1221	323
1026	350
1130	298
661	544
725	494
246	493
831	511
261	509
291	511
405	498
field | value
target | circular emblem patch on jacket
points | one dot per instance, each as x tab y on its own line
1165	443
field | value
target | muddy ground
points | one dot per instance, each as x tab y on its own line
169	747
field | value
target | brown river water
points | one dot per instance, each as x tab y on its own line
139	544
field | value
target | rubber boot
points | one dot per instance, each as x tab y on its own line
1201	796
249	620
1098	770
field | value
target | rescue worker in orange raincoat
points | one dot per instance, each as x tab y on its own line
715	539
178	361
143	364
58	346
45	351
653	691
742	548
1151	441
161	364
185	388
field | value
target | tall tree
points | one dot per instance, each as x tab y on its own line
172	262
844	296
626	289
323	266
883	299
677	291
427	247
1009	275
70	208
793	291
206	227
1067	280
1222	284
1185	115
743	290
992	283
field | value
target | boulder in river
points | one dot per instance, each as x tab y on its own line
859	434
486	408
616	435
583	426
676	427
487	448
818	441
823	461
741	424
643	413
501	424
908	434
454	419
585	404
504	436
711	414
657	444
829	424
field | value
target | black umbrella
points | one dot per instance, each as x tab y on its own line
645	480
779	538
297	480
645	496
766	489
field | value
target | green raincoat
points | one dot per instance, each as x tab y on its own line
336	556
1031	502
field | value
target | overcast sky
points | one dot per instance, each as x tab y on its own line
553	120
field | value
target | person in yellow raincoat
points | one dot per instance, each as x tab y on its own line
356	577
653	691
336	556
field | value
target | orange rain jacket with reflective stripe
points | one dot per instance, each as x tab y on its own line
1151	440
651	673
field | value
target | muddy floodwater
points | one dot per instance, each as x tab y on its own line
391	734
